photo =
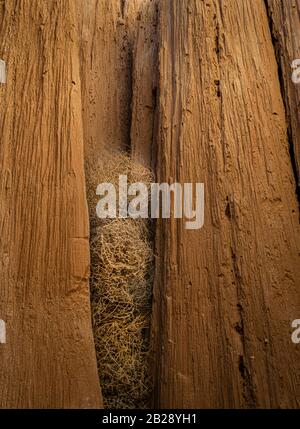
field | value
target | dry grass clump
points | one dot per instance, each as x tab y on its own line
121	280
107	170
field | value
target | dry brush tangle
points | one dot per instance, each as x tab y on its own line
121	287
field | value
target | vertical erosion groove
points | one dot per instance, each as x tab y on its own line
284	23
118	111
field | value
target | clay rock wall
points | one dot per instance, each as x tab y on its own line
48	360
284	20
225	295
201	91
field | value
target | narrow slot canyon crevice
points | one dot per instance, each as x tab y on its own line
145	313
284	26
129	141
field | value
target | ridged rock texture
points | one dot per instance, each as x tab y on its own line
225	295
201	91
284	19
49	358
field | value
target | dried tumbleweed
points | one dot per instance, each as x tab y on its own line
121	281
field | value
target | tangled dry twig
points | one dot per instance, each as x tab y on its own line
121	280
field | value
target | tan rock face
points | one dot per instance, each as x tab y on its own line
105	64
225	295
192	89
284	17
117	42
48	359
